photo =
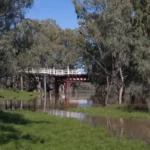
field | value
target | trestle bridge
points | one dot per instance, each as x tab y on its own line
61	77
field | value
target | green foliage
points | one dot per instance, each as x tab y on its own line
141	34
52	46
117	41
142	15
12	12
36	131
7	61
13	37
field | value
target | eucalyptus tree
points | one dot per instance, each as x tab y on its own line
107	27
141	14
7	59
141	28
71	49
46	34
141	43
52	46
94	54
11	14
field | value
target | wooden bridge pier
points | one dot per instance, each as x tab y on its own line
45	93
67	85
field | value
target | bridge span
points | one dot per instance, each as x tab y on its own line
61	77
55	72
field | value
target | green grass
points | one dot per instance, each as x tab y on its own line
113	111
24	130
6	94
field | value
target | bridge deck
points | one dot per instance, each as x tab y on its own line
55	72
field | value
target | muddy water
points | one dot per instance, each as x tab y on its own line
134	129
82	98
53	101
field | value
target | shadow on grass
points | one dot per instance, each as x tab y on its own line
8	132
6	117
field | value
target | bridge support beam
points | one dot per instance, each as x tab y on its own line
45	93
67	85
39	84
56	86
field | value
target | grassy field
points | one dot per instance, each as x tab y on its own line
24	130
17	95
113	111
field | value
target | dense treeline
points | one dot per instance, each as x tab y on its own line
27	43
112	42
117	50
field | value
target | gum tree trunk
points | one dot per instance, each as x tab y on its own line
122	86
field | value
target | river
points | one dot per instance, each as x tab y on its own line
55	104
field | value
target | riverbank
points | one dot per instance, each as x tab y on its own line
113	111
6	94
36	131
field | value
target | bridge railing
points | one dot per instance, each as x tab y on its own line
53	71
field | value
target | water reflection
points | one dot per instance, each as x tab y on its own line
118	126
82	98
134	129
